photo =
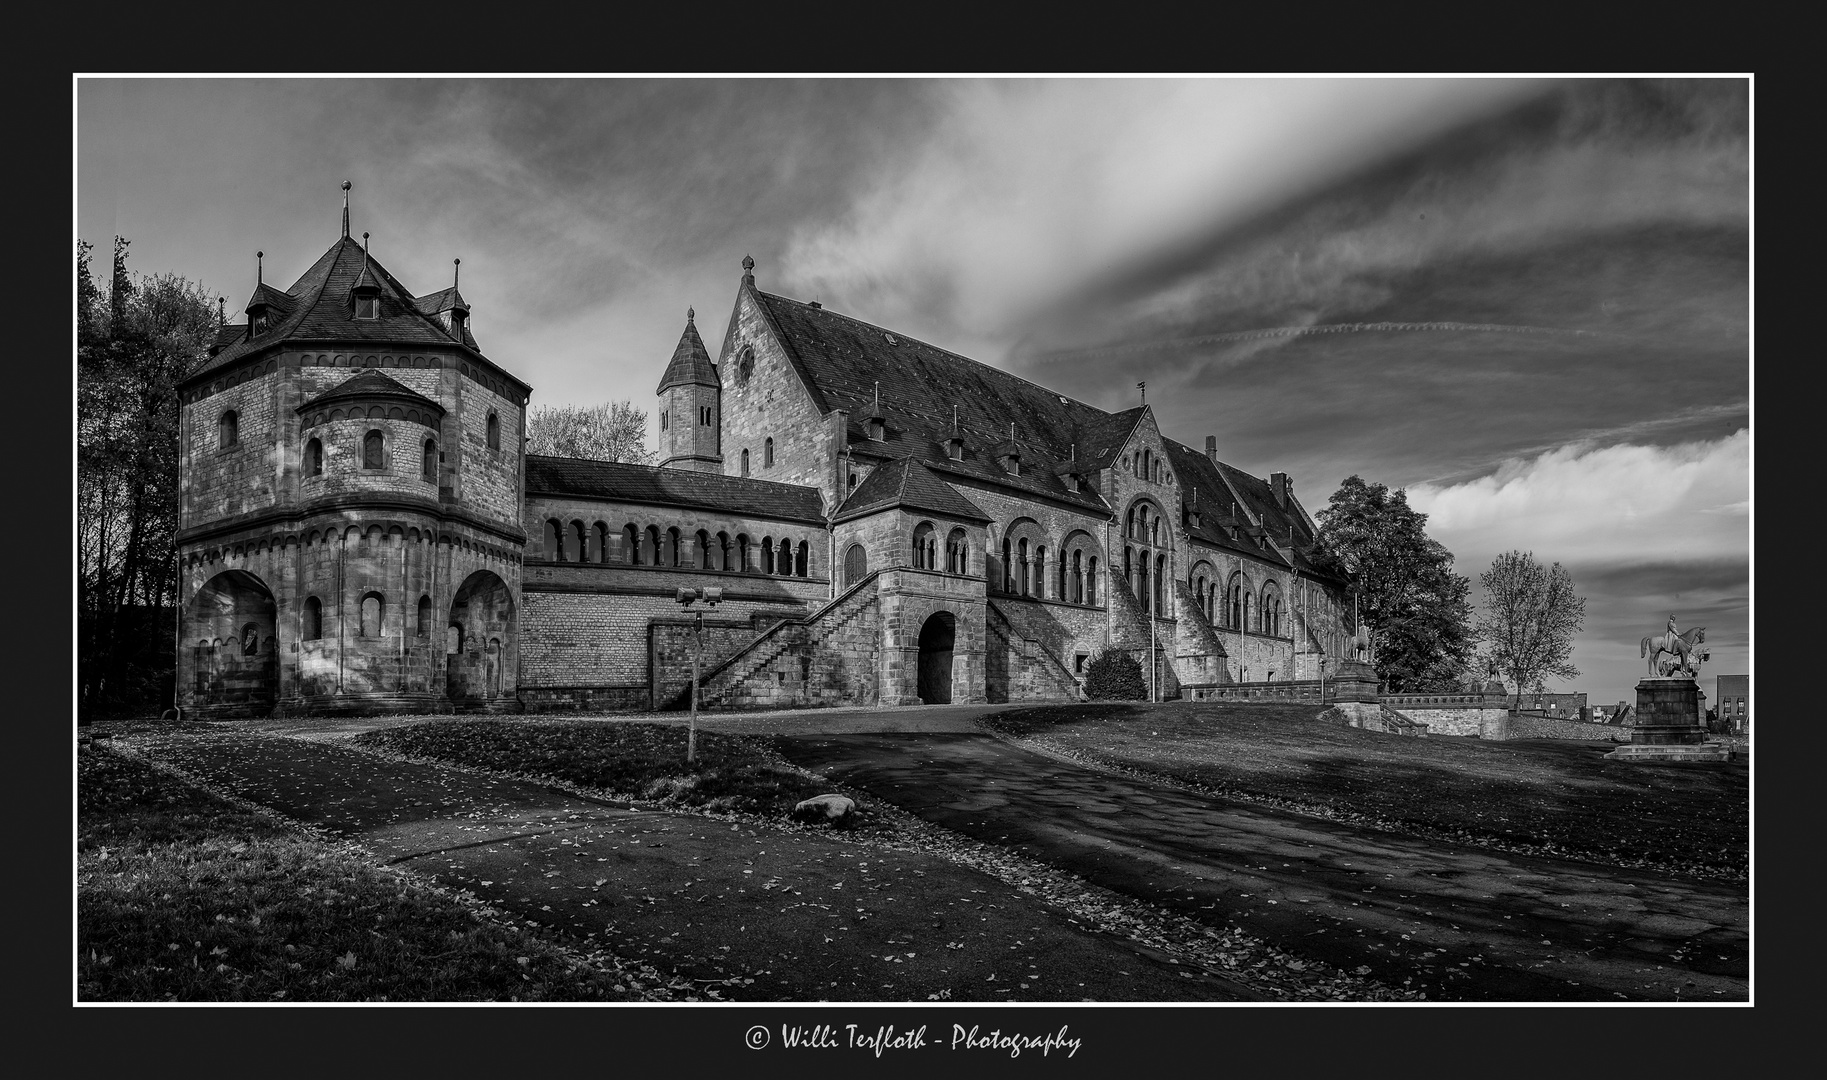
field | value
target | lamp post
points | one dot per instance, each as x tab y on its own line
712	596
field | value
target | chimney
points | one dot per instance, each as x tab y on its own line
1211	447
1282	485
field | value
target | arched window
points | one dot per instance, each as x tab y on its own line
1040	572
494	431
767	453
856	564
555	541
453	638
925	546
425	616
650	546
1021	561
631	545
673	538
313	618
1144	593
742	552
373	608
430	464
574	542
767	555
704	551
1160	582
1078	577
802	559
601	545
228	430
314	458
704	416
745	463
663	419
723	551
1008	565
957	553
372	444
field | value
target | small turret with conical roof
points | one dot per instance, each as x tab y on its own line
691	406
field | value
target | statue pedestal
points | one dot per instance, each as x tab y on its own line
1668	726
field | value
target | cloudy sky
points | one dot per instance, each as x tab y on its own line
1525	301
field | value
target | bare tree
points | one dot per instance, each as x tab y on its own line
1529	616
612	431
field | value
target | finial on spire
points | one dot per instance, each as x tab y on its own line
878	396
456	271
222	310
748	270
690	314
1143	386
259	267
346	186
954	419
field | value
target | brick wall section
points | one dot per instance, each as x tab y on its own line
772	403
601	639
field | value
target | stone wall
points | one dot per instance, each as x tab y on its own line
1475	715
1524	726
1038	649
772	403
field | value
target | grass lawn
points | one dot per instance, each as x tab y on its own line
731	774
1550	797
182	895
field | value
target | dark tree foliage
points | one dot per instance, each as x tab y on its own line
1114	676
132	348
1415	606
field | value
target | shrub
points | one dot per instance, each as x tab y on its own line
1114	676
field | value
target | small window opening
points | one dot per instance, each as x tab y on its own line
494	431
367	307
314	458
372	446
229	429
767	453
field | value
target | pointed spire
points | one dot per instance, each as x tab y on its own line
878	397
222	311
954	419
691	363
362	280
748	270
346	186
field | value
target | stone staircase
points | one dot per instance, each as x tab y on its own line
1040	677
776	669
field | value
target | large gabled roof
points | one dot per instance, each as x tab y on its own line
910	485
317	307
652	486
843	360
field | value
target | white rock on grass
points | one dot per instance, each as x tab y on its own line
826	809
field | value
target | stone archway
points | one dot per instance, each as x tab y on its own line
233	623
937	636
478	669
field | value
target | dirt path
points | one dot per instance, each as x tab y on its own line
1461	923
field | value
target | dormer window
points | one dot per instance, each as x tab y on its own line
259	323
878	429
367	307
458	317
954	448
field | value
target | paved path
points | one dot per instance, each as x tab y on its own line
1461	922
756	912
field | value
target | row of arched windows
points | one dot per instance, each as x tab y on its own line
373	613
1240	607
1024	572
652	546
926	549
374	456
1146	466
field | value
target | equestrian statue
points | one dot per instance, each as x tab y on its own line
1683	647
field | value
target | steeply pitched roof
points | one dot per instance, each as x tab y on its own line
1227	494
442	300
371	384
317	307
691	364
672	487
909	484
842	359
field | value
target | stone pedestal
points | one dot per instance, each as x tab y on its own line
1667	725
1352	680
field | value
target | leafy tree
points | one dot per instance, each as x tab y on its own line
1114	676
1408	595
613	431
132	349
1529	617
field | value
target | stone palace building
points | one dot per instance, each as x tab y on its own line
890	523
